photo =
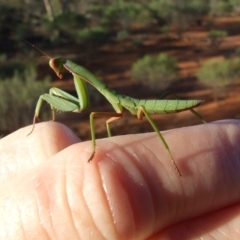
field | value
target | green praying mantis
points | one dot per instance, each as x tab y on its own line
62	101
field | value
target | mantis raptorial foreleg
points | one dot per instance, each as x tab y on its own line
58	100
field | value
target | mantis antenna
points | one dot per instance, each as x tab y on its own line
37	49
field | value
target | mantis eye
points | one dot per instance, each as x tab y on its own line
56	65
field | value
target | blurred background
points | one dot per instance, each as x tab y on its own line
139	48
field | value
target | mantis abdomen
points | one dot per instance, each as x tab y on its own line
168	106
155	106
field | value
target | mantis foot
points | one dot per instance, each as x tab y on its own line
177	169
35	119
91	157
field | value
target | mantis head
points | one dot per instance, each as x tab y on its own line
57	65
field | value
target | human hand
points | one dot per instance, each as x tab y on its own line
130	190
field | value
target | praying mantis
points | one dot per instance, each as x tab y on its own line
62	101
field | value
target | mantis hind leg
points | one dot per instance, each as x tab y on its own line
175	95
142	111
112	119
113	116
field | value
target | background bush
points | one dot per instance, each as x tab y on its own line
64	26
19	95
216	36
219	75
155	72
221	8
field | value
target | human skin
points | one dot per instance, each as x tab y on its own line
130	190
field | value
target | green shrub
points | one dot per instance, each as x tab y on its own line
92	39
95	36
21	19
216	36
128	14
237	50
143	19
235	5
9	18
221	8
137	42
219	74
156	72
103	15
19	95
64	25
161	11
186	13
197	7
122	35
164	29
6	68
118	15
